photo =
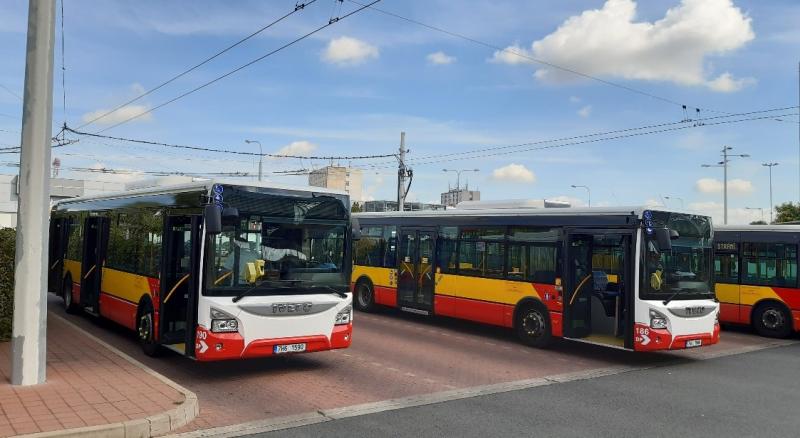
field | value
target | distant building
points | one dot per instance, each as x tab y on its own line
452	197
512	204
338	178
60	188
379	206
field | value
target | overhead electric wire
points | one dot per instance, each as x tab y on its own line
8	90
617	131
298	7
260	58
226	151
596	140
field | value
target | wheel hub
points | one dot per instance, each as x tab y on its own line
773	319
533	323
364	295
145	323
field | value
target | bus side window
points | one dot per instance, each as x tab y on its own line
447	260
390	245
770	264
726	267
369	250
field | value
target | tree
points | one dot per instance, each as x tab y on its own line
356	208
787	212
758	223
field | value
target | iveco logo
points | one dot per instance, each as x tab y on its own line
695	311
291	308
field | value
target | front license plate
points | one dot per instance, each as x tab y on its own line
694	343
293	348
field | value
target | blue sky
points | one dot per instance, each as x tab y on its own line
351	89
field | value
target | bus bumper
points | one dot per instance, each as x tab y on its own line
211	346
648	339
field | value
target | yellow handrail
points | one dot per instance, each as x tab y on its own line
580	285
174	288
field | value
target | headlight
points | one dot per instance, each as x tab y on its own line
344	316
657	320
222	322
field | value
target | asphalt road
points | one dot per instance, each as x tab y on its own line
751	394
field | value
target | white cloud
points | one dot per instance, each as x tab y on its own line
514	173
440	58
345	51
585	111
120	115
609	42
301	148
725	83
735	186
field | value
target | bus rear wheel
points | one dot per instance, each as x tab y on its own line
772	320
145	329
69	306
365	296
533	325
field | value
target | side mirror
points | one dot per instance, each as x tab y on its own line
664	239
356	229
212	216
674	234
230	213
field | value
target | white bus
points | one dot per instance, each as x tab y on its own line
631	278
212	270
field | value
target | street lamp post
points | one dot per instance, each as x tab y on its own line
761	209
588	192
675	197
458	175
771	206
260	157
724	165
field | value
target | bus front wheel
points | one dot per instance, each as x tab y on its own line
533	325
772	320
69	306
145	328
365	296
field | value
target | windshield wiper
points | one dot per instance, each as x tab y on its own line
280	285
675	294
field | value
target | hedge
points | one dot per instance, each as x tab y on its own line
7	240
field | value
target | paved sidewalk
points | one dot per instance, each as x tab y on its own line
91	388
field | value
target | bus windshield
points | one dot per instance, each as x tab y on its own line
260	254
684	272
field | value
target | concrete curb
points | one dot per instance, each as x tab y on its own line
154	425
325	415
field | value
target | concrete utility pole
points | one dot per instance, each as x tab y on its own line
724	165
771	206
401	173
588	192
29	346
260	157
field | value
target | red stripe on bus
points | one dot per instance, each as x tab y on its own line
796	315
386	296
118	310
729	312
790	296
444	305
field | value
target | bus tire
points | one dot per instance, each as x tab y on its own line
145	329
69	306
364	299
532	324
773	320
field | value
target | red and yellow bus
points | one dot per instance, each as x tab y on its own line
635	279
755	268
211	270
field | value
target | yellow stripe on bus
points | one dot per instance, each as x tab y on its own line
727	293
484	289
744	294
73	268
124	285
383	277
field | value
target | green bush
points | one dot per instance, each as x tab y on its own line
7	240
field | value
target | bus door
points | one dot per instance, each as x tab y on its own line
95	243
57	251
179	287
597	273
415	276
